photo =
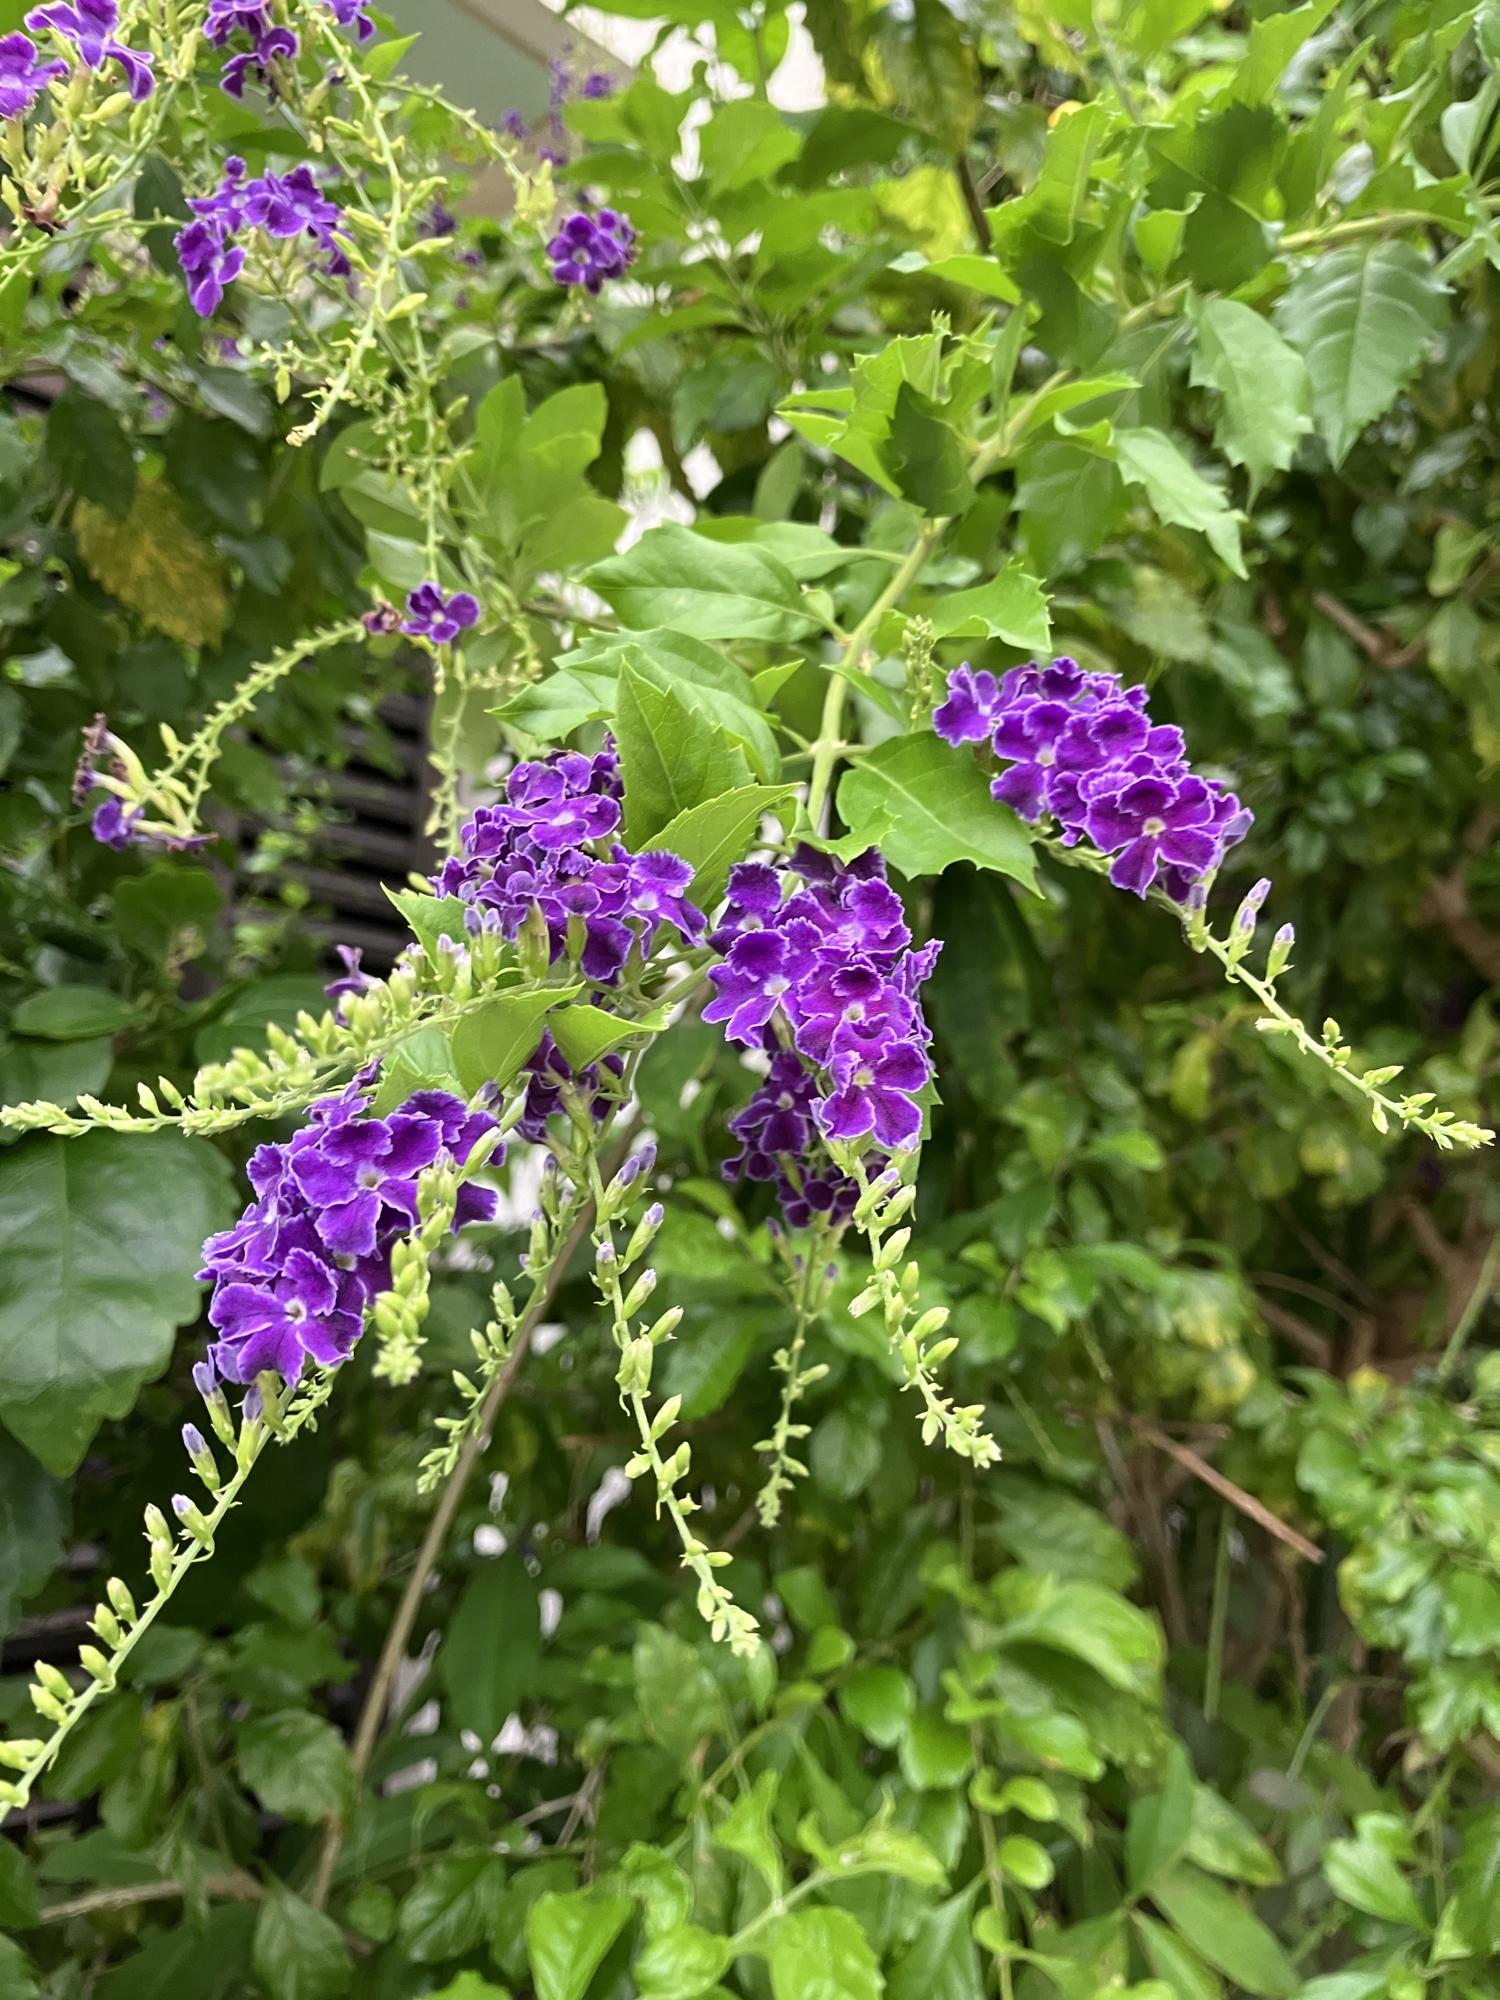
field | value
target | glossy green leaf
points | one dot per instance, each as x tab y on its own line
71	1013
672	758
746	1830
821	1954
296	1764
33	1520
1011	606
567	1937
1362	317
490	1658
491	1043
1175	1961
708	590
715	834
94	1277
1263	386
1156	1831
297	1952
936	806
1224	1932
680	1964
880	1702
449	1909
1366	1877
1179	494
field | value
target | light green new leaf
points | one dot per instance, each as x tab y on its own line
567	1937
745	141
821	1954
880	1702
1362	317
490	1045
584	1033
707	589
712	836
1175	1962
680	1964
965	267
672	758
1220	1929
1011	606
297	1953
100	1238
1367	1878
430	917
1114	1637
1271	46
1263	383
1225	1843
1178	493
937	807
746	1830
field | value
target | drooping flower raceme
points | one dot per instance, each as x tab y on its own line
1081	747
22	77
108	766
293	1276
89	25
588	249
281	205
819	972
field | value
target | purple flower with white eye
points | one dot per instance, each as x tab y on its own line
353	14
843	1007
571	820
112	826
1153	822
758	976
874	1094
659	883
210	262
22	77
589	249
90	26
968	715
293	1276
229	17
430	614
1081	748
291	204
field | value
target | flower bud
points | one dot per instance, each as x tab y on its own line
1280	954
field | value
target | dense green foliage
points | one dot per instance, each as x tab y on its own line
1159	336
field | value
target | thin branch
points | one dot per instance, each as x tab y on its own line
235	1888
1235	1495
972	201
377	1697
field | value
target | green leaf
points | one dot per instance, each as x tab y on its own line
925	457
678	1700
821	1955
745	142
1025	1861
297	1953
567	1937
1362	317
746	1830
18	1898
710	590
1271	46
431	917
490	1045
712	836
935	1753
449	1910
879	1701
1179	495
490	1657
1156	1830
33	1521
1262	382
671	757
296	1764
941	1963
1224	1843
1474	1915
584	1033
17	1981
968	268
681	1963
926	69
1011	606
71	1013
937	805
1367	1878
100	1238
1090	1623
1175	1962
1219	1927
90	451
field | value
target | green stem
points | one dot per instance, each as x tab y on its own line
1468	1319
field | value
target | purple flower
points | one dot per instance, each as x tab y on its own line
598	83
293	204
968	715
874	1095
228	17
658	895
112	826
22	77
588	249
513	125
1081	749
293	1276
431	615
209	262
90	26
352	14
755	979
241	69
1153	821
351	979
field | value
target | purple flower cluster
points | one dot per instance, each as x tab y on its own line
548	1073
431	615
283	205
22	77
90	26
1082	747
547	857
819	971
592	85
293	1276
587	249
248	17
